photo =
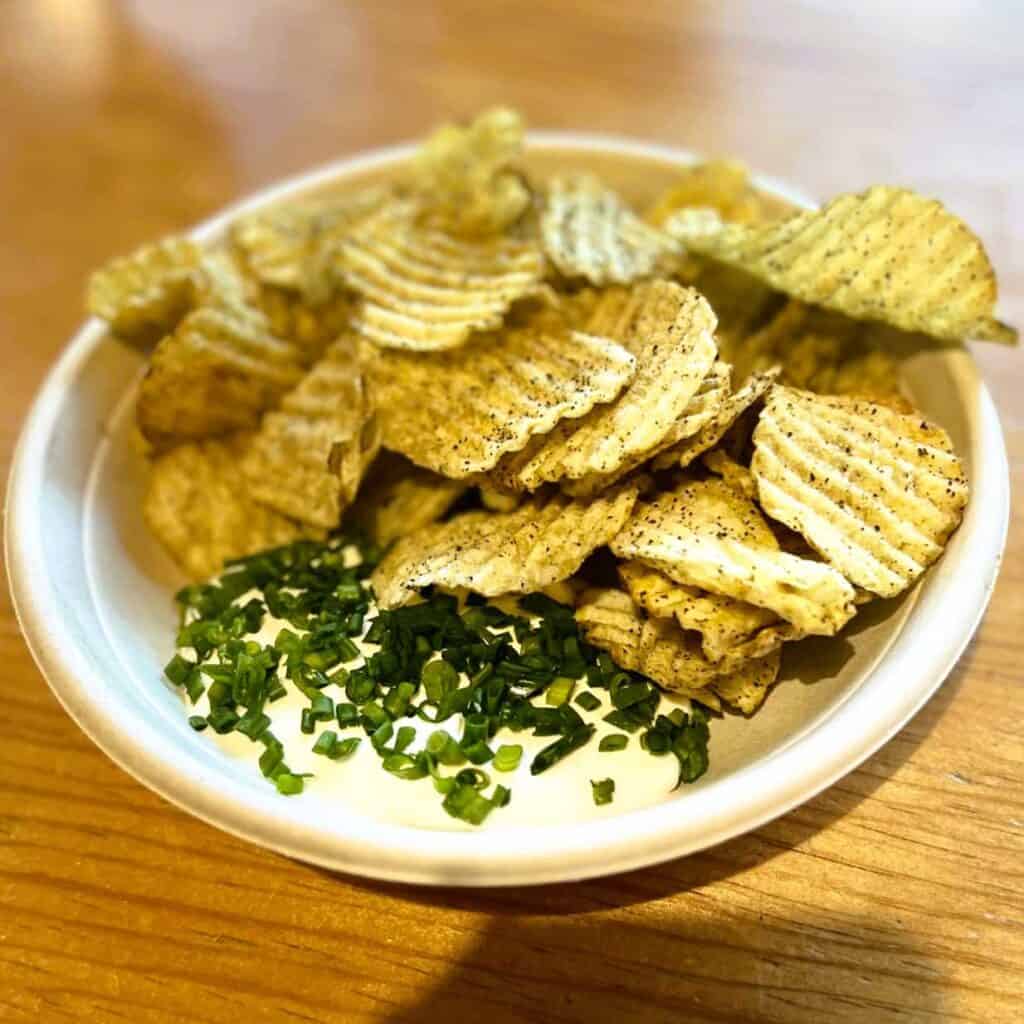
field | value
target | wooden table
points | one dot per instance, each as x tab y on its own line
894	896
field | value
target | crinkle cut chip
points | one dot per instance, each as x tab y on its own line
875	491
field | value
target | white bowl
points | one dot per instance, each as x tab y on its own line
93	594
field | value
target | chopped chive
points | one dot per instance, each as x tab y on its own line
613	741
404	766
253	724
197	722
222	720
396	702
345	748
507	757
625	692
588	701
439	678
288	784
444	747
380	736
603	791
474	777
466	804
559	691
561	748
405	735
325	743
346	715
178	669
478	752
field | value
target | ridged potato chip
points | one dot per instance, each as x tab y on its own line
546	539
747	686
215	374
886	254
144	295
311	327
426	291
466	176
827	352
731	631
398	498
659	649
310	453
876	492
736	475
706	534
198	506
589	232
701	410
669	330
722	185
729	410
459	412
280	246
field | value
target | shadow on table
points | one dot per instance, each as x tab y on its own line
662	944
691	961
718	863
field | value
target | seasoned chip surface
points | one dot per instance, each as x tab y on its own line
729	410
669	330
722	185
198	506
459	412
876	492
466	176
216	373
886	254
280	246
708	535
544	540
426	291
309	455
144	295
659	649
731	631
398	498
589	232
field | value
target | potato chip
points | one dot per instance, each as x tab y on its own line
887	255
668	329
311	327
466	176
589	232
398	498
722	185
731	631
746	687
279	246
309	455
705	534
198	506
426	291
660	650
701	410
736	475
714	428
459	412
216	373
546	539
144	295
827	352
877	493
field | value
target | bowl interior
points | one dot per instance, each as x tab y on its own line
99	615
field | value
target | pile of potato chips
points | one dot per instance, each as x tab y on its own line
689	414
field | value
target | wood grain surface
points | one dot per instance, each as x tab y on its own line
894	896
